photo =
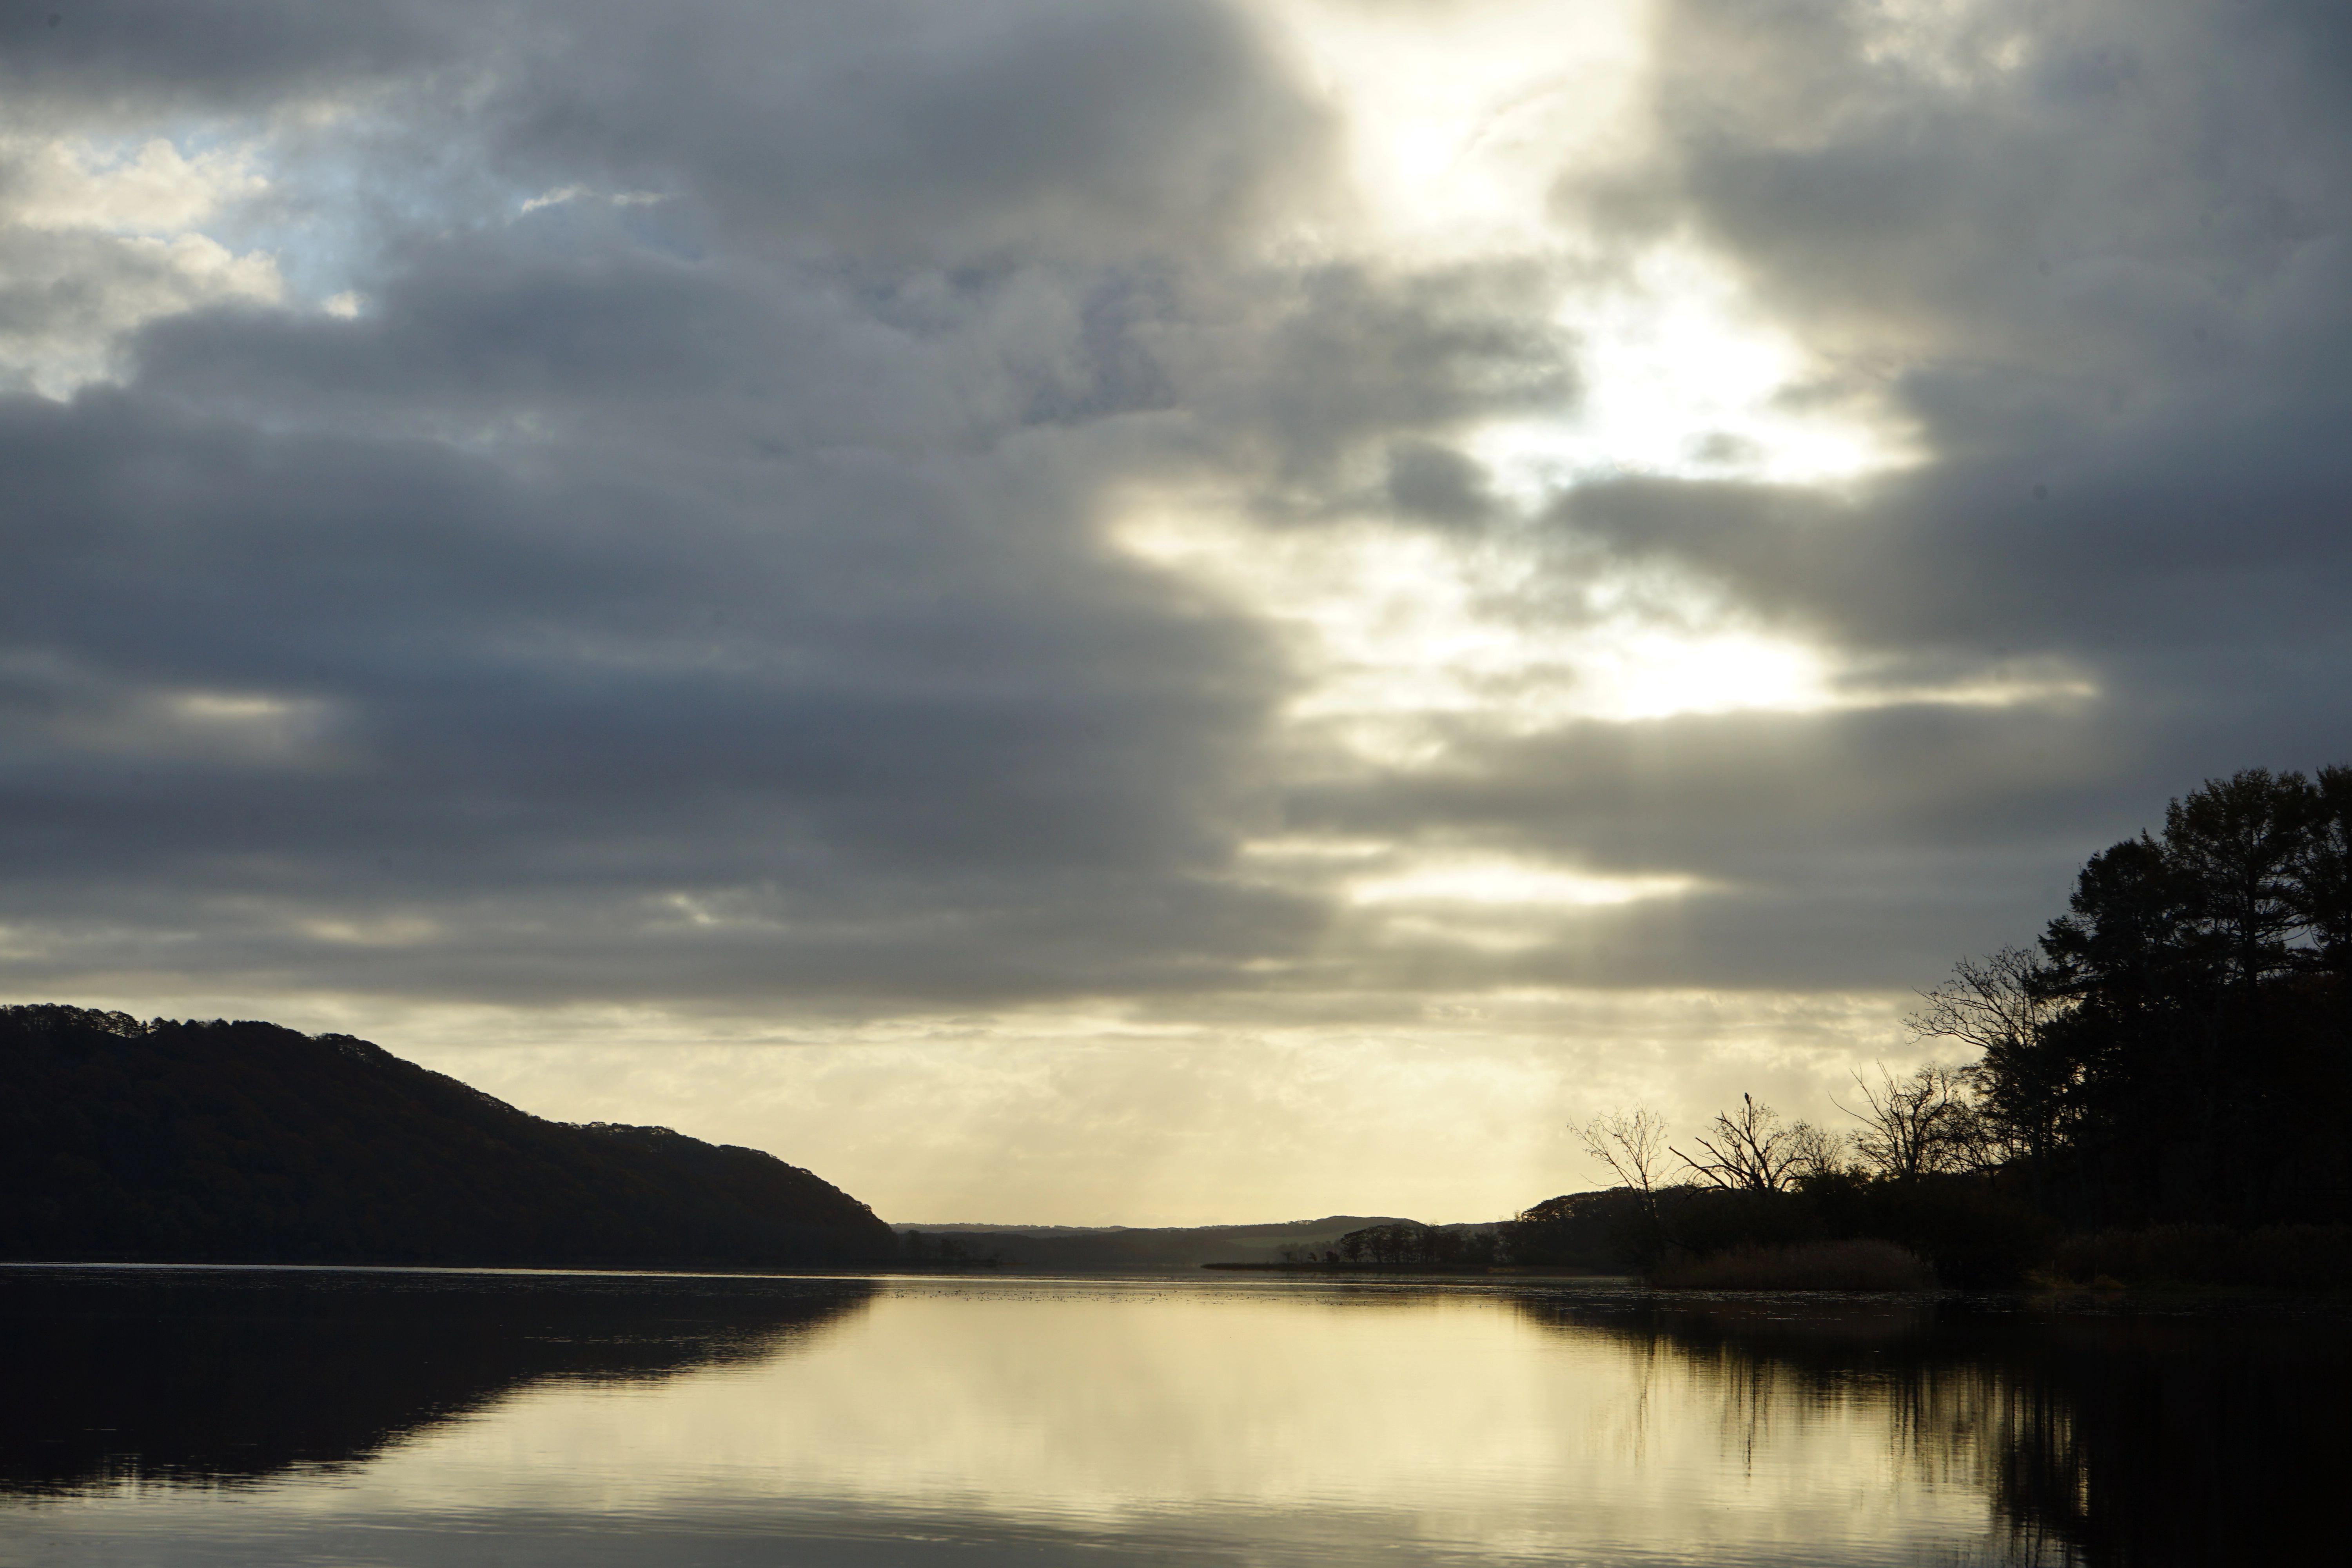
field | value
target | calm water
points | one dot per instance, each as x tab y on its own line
263	1416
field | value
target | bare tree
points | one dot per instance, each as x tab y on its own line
1816	1151
1752	1150
1992	1004
1919	1125
1631	1143
2003	1005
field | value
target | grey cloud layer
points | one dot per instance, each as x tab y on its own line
619	609
2097	256
693	586
2100	255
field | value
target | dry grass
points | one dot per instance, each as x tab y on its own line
1810	1265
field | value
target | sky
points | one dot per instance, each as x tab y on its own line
1173	612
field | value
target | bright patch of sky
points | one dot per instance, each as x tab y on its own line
1404	636
1456	119
115	236
1103	1113
134	229
1461	125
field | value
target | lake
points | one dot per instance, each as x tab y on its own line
234	1416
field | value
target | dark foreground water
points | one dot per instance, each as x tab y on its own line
178	1416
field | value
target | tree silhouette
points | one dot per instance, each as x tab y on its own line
1752	1150
1923	1124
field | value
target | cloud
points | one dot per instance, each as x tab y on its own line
909	130
671	613
93	245
825	698
2095	259
115	62
868	512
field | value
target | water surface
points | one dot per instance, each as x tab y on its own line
181	1416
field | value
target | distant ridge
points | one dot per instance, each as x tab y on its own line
1129	1246
1331	1225
164	1141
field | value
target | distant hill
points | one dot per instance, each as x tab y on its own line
1124	1246
121	1140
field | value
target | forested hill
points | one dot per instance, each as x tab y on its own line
248	1142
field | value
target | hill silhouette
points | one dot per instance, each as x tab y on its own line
164	1141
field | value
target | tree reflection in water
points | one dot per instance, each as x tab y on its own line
217	1378
2102	1436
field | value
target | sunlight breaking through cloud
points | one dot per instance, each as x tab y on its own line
1681	379
1405	636
1287	514
152	189
1498	881
108	236
1455	133
1460	141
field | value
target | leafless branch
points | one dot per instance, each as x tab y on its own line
1752	1150
1919	1125
1632	1144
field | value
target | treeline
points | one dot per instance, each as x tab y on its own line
2180	1046
1971	1232
1130	1247
1405	1244
951	1248
2173	1055
124	1141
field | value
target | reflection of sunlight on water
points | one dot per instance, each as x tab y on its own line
1036	1420
1447	1424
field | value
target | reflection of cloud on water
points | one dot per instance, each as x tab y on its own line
209	1378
